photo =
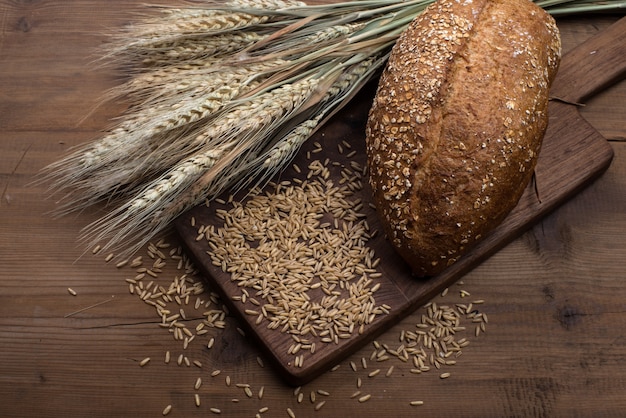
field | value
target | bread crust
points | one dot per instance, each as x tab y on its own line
457	123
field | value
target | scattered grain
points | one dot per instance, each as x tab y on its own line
365	398
249	246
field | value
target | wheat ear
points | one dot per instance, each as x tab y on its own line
207	49
196	22
119	226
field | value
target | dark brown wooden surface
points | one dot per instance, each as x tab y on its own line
554	346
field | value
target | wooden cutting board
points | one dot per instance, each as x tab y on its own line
573	155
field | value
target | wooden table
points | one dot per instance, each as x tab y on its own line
554	345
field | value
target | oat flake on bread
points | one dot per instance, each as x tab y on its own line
456	126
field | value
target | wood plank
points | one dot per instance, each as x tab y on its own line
527	363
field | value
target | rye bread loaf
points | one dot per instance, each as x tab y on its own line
457	123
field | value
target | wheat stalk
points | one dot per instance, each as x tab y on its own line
224	96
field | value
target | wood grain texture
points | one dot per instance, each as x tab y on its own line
589	70
554	344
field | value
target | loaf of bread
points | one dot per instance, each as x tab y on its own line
457	123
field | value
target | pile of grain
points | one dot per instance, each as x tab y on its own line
298	253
